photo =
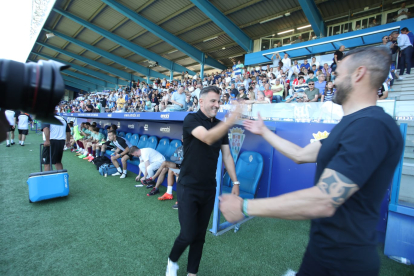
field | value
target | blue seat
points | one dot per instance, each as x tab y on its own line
143	141
249	169
134	140
121	134
163	146
152	142
173	146
105	132
101	130
128	136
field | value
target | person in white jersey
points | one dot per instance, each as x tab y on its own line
23	120
10	132
150	160
55	137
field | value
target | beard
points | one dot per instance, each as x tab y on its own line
343	89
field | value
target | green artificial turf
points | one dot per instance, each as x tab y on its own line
108	227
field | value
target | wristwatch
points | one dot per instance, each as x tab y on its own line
236	183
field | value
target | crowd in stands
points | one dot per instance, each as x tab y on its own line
281	81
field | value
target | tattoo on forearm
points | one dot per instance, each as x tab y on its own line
338	186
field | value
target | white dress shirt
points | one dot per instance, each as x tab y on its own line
403	41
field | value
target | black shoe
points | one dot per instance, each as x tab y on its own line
153	192
150	186
175	206
8	145
148	181
12	143
22	145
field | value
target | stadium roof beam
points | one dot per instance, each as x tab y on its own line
127	63
91	72
314	17
178	43
225	24
77	86
81	82
94	63
88	79
74	83
126	43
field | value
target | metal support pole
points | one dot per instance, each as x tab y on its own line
203	59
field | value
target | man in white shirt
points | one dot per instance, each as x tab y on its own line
402	13
406	49
23	120
55	137
10	133
286	63
150	160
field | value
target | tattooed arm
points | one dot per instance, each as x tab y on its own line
322	200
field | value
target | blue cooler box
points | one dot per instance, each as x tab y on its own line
47	185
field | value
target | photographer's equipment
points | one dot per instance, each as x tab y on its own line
47	185
35	88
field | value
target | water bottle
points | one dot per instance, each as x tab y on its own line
401	260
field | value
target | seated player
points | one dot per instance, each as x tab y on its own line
97	137
150	161
122	151
85	133
173	168
101	148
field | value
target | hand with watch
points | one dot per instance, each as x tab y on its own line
233	207
236	188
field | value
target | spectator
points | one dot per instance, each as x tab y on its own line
120	102
122	151
312	93
409	33
89	107
23	120
301	86
268	92
188	103
305	64
226	99
195	106
233	91
337	57
261	99
329	92
321	83
242	94
286	63
278	90
150	162
402	13
276	59
314	63
178	99
296	97
383	92
311	77
327	71
154	100
373	23
406	50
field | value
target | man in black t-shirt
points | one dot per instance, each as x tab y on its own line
355	166
338	57
204	136
89	107
103	102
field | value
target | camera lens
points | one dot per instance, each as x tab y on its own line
35	88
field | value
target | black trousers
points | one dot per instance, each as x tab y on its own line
194	211
406	60
310	267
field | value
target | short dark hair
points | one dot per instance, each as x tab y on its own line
114	127
95	129
300	78
87	123
405	29
208	89
112	131
133	149
369	57
310	72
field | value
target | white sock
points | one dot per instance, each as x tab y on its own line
22	142
125	171
119	169
7	141
169	190
12	140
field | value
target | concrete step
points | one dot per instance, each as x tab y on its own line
406	98
407	188
409	123
408	170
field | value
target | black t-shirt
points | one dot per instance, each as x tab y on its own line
339	55
90	107
198	169
103	102
365	147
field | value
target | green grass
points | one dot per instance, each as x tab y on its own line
108	227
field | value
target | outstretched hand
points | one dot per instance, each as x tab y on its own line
257	127
231	207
